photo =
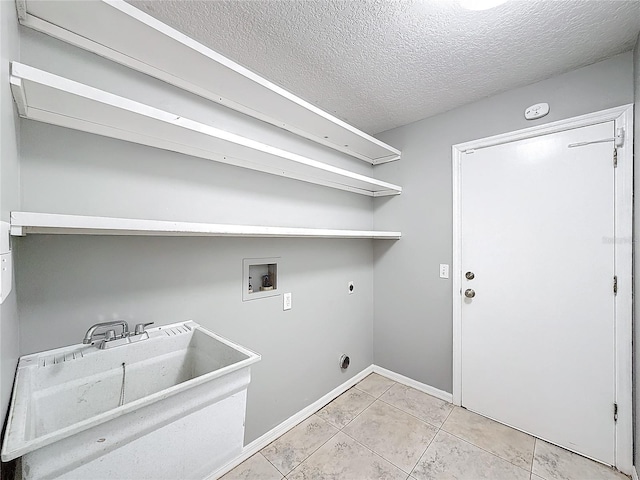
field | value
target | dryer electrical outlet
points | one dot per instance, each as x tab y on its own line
286	301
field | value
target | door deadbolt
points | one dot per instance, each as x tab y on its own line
469	293
469	275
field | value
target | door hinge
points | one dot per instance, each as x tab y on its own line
615	284
615	412
615	157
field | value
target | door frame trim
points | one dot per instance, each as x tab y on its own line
623	118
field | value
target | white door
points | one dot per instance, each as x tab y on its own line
538	336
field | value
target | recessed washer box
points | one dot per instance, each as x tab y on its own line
259	278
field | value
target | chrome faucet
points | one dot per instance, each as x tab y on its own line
140	328
139	332
91	335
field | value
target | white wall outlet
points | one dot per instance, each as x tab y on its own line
351	287
286	301
444	270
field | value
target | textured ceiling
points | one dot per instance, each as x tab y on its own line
379	64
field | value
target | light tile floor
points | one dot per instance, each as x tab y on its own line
381	429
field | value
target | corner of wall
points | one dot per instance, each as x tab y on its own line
9	192
636	266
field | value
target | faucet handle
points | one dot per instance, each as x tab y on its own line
139	330
109	335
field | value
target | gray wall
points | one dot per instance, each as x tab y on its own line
412	305
636	266
67	283
9	195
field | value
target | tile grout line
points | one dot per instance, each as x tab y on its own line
335	426
406	413
414	416
364	410
425	451
389	388
270	462
377	454
450	412
353	419
535	445
340	429
308	456
439	429
319	447
265	457
533	457
484	450
399	408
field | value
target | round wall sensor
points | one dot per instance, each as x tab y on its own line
536	111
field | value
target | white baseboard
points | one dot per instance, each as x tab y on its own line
259	443
423	387
634	473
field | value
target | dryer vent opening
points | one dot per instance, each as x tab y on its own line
344	362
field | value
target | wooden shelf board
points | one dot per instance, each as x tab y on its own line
50	98
23	223
120	32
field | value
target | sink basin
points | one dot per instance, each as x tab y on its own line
77	406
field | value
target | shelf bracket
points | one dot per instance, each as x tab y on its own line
18	95
18	231
21	9
6	262
6	275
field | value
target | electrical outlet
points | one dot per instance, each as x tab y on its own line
444	270
352	288
286	301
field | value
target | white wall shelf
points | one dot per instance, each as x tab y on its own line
120	32
23	223
53	99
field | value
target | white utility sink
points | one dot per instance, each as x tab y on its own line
170	406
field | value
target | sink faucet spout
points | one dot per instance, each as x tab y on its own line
89	337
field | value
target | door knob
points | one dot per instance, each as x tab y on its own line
469	293
470	275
